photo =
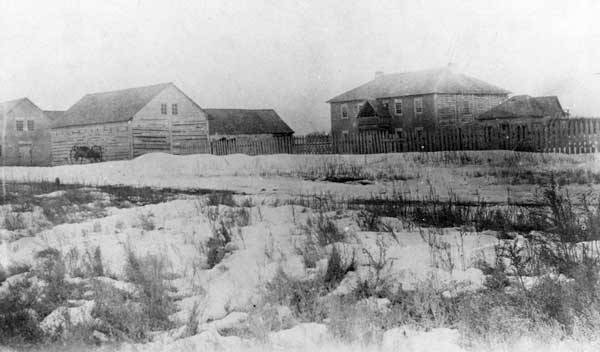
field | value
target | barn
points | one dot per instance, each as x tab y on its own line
131	122
245	125
25	134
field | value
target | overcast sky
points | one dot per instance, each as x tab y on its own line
293	55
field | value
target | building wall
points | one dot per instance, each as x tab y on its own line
26	147
183	133
265	137
340	124
114	138
409	118
438	109
451	107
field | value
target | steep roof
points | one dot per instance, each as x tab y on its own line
525	106
7	106
54	115
373	107
443	80
242	121
106	107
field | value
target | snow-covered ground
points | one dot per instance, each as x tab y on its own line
278	173
269	241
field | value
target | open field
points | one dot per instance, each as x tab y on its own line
418	251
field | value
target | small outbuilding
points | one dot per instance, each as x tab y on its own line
524	108
25	138
246	125
131	122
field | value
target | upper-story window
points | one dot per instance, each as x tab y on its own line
465	107
174	109
163	109
344	111
386	105
398	106
29	125
19	125
418	105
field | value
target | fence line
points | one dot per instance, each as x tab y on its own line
572	136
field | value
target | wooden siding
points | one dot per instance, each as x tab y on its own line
25	148
438	109
112	137
450	107
183	133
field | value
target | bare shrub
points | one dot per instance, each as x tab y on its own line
241	217
18	320
336	270
14	222
325	230
439	250
221	198
368	221
216	244
118	315
303	297
149	274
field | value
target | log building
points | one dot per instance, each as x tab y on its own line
131	122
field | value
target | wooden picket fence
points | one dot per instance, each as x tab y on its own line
572	136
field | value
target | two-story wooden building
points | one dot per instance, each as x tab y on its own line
131	122
24	134
413	100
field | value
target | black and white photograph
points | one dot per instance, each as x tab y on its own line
308	175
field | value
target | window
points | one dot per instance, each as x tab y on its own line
445	112
174	109
163	109
419	131
398	106
386	105
465	107
19	125
400	132
345	134
418	105
344	111
29	125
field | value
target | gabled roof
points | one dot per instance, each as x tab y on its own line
373	107
525	106
106	107
7	106
443	80
242	121
54	115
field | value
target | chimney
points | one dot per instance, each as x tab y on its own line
378	74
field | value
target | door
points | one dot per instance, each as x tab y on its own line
25	154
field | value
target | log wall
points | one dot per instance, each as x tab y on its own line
112	137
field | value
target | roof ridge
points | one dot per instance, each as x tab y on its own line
240	109
442	80
129	89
